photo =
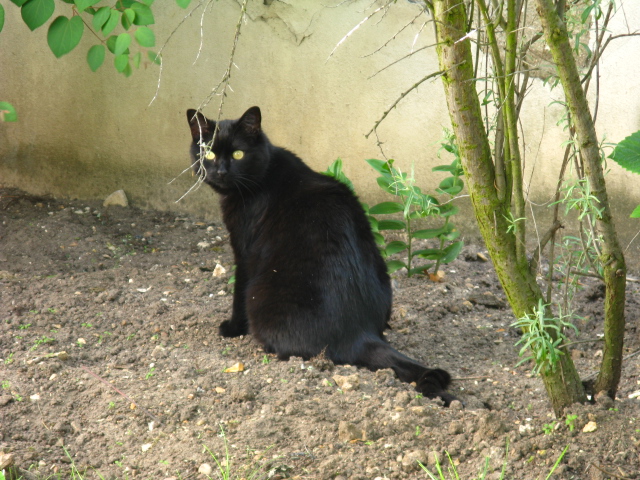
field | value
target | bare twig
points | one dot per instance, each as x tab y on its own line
404	94
166	42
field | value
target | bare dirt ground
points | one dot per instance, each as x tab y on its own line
109	350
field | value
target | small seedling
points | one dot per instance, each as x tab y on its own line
131	336
149	373
52	310
6	384
87	325
40	341
112	405
24	327
570	422
265	360
9	359
548	428
417	432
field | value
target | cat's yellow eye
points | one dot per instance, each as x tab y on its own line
238	154
209	155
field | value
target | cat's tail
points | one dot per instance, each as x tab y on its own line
432	383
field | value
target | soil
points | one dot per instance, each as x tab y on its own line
112	367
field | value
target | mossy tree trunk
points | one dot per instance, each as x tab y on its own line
492	208
611	256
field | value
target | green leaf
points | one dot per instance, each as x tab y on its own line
95	57
111	22
122	43
136	59
421	270
155	57
451	185
19	2
386	208
8	112
627	153
429	233
121	62
428	253
128	17
380	166
451	236
391	225
82	5
452	252
36	12
394	265
101	17
144	16
145	37
111	43
395	247
443	168
379	239
448	210
183	3
64	35
1	17
636	212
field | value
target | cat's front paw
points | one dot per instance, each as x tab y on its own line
230	328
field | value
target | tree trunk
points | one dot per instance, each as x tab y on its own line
563	385
611	256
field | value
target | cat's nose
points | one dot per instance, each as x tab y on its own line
222	171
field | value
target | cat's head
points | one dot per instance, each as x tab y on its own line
239	155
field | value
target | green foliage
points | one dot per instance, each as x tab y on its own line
542	337
415	205
101	18
570	422
627	155
7	112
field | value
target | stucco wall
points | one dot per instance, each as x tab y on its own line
83	134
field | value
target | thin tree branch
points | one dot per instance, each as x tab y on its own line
404	94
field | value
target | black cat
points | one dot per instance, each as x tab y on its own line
309	277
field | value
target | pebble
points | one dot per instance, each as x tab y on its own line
348	431
205	469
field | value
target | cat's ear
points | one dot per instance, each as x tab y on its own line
251	121
200	125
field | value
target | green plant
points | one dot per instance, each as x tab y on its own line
86	325
131	336
134	18
225	470
41	341
542	336
9	359
150	373
548	428
627	155
24	327
265	360
570	421
415	205
6	384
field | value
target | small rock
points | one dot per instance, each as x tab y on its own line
590	427
456	406
204	245
604	400
455	428
6	461
348	382
482	257
61	355
219	270
118	199
348	431
146	446
205	469
411	459
487	299
5	399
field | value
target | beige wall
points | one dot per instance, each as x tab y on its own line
83	134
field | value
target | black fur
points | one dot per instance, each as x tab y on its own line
309	276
